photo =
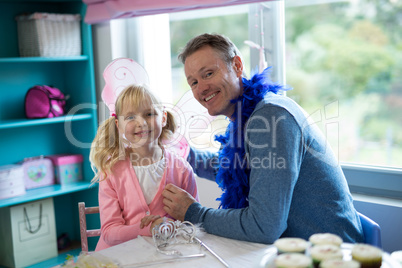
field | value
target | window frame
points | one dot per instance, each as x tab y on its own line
374	181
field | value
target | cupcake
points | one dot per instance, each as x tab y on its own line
290	245
368	256
293	260
320	253
326	239
339	264
397	255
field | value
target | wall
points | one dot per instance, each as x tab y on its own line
102	47
208	191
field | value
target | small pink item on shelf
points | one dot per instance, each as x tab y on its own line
38	172
68	168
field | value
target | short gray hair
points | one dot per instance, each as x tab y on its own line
218	42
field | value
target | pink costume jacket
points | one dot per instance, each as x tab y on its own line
122	204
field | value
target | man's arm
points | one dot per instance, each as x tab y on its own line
204	163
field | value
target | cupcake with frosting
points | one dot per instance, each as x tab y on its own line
293	260
339	264
397	255
290	245
368	256
325	239
320	253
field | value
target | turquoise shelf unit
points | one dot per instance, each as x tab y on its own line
72	134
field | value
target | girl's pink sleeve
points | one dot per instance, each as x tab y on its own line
189	182
114	228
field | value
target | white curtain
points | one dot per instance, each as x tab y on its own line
105	10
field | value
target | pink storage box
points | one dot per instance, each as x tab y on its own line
67	168
38	172
11	181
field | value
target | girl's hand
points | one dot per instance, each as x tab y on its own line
159	221
155	223
150	219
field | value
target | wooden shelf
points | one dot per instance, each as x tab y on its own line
45	192
60	259
5	124
42	59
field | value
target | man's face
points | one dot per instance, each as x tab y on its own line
212	83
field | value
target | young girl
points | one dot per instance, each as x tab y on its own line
132	166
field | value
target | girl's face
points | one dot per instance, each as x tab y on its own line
142	126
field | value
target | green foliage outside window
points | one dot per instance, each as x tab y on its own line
351	54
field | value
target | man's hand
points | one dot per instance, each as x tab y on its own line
176	201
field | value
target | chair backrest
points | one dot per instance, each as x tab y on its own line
371	231
85	233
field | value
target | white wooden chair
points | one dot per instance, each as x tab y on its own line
85	233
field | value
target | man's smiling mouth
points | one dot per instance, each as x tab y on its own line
210	97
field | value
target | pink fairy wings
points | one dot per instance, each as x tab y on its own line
118	74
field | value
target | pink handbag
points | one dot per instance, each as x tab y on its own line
44	102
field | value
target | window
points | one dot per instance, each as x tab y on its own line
346	57
343	59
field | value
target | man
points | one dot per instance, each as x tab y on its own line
279	177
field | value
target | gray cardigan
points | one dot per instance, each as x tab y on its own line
297	187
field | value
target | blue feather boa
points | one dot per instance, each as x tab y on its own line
233	173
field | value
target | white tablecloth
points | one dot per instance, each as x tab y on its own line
141	250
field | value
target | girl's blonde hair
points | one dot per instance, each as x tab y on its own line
107	148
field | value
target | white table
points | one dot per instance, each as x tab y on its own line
233	252
142	250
